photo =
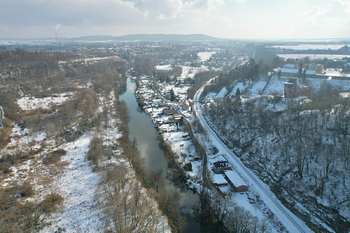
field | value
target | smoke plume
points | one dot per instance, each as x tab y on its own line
58	25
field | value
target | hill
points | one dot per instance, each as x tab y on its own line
147	37
132	37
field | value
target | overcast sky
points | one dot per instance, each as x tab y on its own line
260	19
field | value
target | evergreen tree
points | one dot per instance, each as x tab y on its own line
238	92
172	95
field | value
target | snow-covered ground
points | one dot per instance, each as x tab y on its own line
30	103
89	60
77	185
257	88
185	150
311	56
205	56
187	71
72	178
276	85
335	73
181	91
164	67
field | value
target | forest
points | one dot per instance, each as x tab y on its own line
299	147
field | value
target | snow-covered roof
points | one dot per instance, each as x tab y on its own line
185	102
294	71
219	179
235	178
289	66
345	95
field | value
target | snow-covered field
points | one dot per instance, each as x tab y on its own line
187	71
205	56
90	60
164	67
30	103
257	88
77	185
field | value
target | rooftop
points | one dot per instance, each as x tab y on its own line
235	178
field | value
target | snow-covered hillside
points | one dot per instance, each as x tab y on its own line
296	146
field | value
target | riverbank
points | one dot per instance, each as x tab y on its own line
184	159
147	138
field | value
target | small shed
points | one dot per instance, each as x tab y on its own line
219	180
236	181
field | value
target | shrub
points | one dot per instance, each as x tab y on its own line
51	202
188	167
5	167
54	157
25	190
96	150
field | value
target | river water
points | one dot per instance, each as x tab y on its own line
142	128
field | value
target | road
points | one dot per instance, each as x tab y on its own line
287	218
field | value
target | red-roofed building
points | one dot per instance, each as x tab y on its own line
236	181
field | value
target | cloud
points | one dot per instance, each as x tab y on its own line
345	4
336	10
238	1
331	20
29	13
160	9
207	5
315	11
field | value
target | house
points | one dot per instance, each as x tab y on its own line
236	181
219	180
185	105
220	166
169	111
291	88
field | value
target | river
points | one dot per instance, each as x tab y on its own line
142	128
